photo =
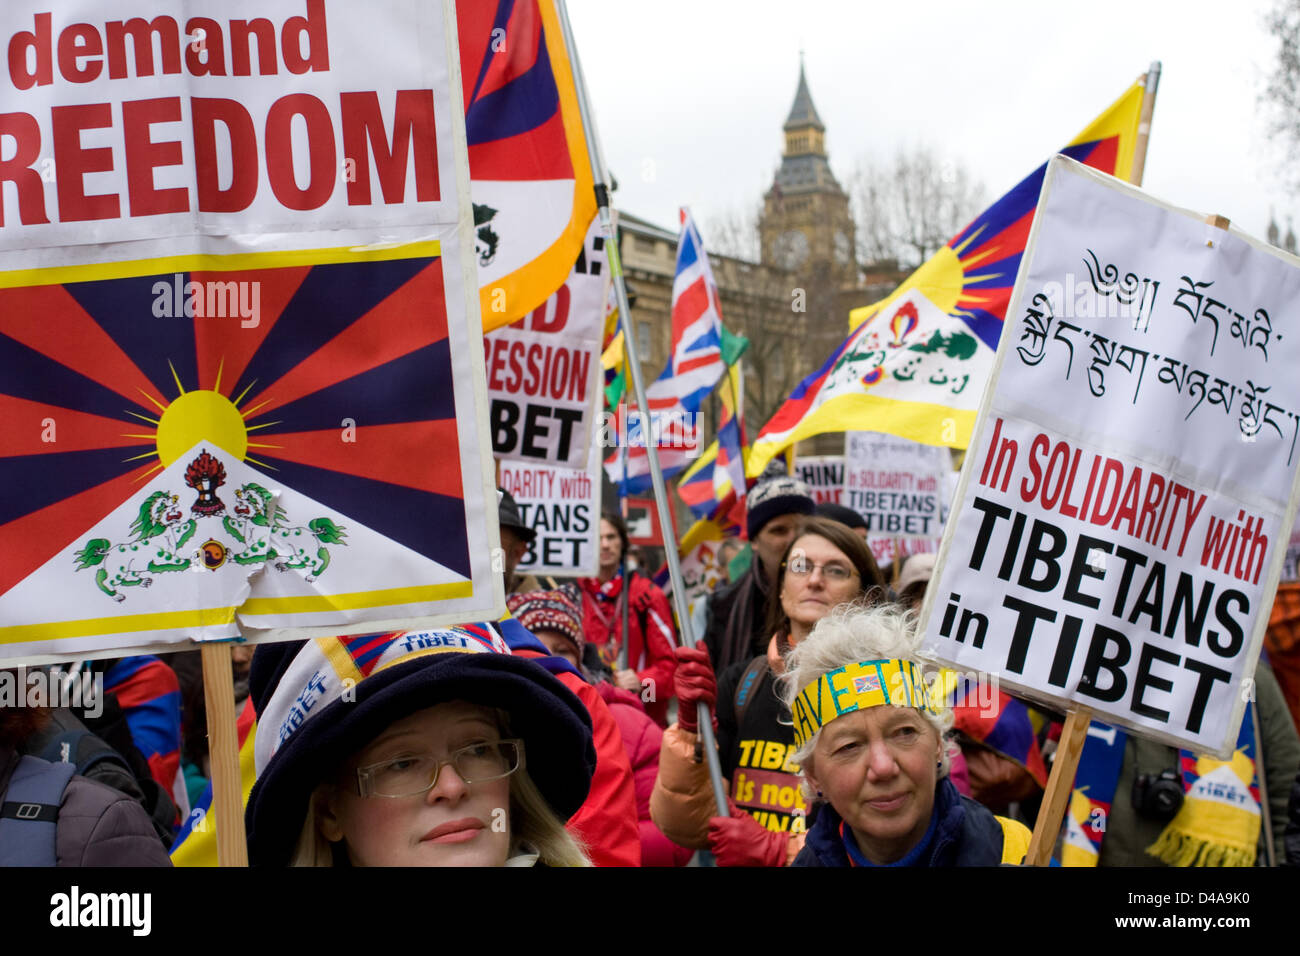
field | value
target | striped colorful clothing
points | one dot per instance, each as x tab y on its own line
150	697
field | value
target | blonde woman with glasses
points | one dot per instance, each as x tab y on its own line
431	748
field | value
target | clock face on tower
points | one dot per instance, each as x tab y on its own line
790	249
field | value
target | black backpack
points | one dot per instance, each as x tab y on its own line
66	740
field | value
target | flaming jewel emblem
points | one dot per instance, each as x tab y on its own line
205	475
904	321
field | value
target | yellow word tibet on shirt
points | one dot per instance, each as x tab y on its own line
765	785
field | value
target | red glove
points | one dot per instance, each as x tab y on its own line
740	840
693	682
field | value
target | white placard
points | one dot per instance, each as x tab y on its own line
563	506
242	369
896	485
544	372
824	476
1124	506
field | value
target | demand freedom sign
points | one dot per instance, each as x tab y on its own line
241	370
1125	508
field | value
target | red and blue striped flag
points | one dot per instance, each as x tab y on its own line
150	696
531	179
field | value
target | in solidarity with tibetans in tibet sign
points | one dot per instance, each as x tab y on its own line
563	506
240	362
1125	507
544	373
901	488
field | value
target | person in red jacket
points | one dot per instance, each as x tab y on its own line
607	822
651	637
557	623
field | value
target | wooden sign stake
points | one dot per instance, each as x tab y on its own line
1217	222
1059	786
223	752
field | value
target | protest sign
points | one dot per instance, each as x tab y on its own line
824	476
700	551
1121	515
543	372
896	484
563	506
902	489
240	371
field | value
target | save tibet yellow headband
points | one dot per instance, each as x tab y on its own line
881	683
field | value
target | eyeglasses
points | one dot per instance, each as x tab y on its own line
411	774
837	573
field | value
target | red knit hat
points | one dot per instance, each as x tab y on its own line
548	611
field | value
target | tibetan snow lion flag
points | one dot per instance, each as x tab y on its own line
915	363
532	183
264	413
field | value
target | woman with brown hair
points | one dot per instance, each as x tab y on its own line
825	566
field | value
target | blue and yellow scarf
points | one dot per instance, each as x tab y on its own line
1218	824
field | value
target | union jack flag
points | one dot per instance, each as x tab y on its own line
694	368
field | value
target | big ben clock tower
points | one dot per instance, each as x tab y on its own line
805	225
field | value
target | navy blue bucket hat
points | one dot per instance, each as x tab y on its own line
318	702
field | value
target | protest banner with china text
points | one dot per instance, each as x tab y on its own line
824	476
1123	515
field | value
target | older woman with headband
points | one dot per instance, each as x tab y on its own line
870	738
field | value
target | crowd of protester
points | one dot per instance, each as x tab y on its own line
568	734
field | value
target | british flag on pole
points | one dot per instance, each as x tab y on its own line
696	364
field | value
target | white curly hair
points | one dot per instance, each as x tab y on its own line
853	633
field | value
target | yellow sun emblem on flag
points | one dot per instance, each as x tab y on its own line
200	415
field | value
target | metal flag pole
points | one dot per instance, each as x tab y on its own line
601	180
624	601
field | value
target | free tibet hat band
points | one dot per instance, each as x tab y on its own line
330	668
853	687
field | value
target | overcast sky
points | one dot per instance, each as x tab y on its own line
690	96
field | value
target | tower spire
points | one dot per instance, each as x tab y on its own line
803	114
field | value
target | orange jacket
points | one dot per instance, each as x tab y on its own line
682	801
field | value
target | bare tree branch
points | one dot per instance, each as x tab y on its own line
907	208
1281	97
